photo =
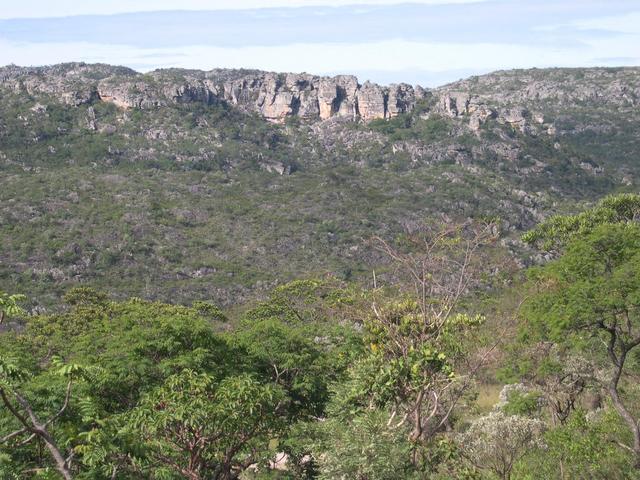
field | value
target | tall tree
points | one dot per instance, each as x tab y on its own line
201	428
591	293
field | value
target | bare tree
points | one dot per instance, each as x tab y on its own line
441	264
422	336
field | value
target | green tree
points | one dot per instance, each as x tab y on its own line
558	230
129	347
293	340
85	296
197	427
583	447
364	447
590	295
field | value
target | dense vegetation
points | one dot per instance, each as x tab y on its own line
325	379
189	291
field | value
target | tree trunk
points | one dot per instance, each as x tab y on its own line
629	420
39	429
61	464
622	410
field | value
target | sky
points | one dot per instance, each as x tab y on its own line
427	42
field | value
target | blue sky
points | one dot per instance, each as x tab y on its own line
428	41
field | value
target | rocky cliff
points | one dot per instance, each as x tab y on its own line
275	96
507	97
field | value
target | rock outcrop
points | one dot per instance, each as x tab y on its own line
372	102
274	96
515	99
402	98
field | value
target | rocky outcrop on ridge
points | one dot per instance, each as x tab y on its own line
518	97
274	96
515	98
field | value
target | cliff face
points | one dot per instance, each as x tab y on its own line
529	101
278	96
271	95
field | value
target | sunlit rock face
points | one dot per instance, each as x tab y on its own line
274	96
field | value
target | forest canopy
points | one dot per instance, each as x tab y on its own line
434	370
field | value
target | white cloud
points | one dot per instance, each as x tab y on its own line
62	8
628	23
625	23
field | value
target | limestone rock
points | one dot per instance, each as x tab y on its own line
347	88
455	104
479	116
304	95
401	99
271	95
337	96
328	103
277	102
130	94
372	102
39	108
517	117
90	119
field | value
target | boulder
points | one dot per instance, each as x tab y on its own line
479	115
517	117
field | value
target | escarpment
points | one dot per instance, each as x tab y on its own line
274	96
502	97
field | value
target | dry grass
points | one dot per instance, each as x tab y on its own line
488	396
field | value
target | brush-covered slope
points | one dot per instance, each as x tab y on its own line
186	184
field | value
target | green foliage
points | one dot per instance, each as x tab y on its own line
408	353
153	380
10	373
364	447
589	298
195	425
10	305
584	447
291	339
410	126
84	296
594	281
559	230
526	404
145	372
210	310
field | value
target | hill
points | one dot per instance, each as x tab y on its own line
219	185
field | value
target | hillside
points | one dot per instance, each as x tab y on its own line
219	185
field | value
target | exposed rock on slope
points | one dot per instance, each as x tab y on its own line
272	95
278	96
